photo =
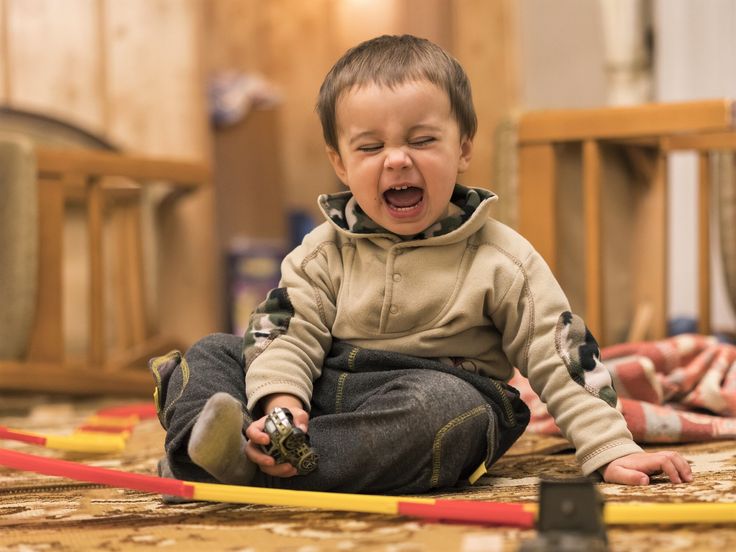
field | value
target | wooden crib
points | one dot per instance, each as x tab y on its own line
107	187
594	181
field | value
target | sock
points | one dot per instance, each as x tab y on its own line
164	470
217	442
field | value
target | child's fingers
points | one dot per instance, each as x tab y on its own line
663	462
301	419
685	469
267	464
675	467
635	469
670	470
254	432
626	476
257	456
280	470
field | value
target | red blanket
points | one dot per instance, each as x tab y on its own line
677	390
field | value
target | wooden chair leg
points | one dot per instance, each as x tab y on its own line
47	338
135	273
95	226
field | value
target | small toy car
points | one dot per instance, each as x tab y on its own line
289	443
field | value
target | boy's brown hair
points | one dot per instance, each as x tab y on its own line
390	60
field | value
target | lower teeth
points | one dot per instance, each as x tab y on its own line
396	208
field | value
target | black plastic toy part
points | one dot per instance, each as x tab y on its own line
570	518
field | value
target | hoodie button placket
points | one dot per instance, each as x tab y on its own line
395	277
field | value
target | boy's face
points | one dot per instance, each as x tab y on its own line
400	152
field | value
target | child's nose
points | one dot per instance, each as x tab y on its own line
396	159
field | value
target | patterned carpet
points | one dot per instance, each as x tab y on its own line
40	513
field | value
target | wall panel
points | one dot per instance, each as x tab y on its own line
4	82
484	41
302	50
430	19
237	36
53	59
155	77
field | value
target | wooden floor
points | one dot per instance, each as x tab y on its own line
40	513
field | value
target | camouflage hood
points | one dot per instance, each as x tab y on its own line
344	212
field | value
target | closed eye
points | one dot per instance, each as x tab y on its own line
370	148
421	142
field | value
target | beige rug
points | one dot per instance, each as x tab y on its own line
40	513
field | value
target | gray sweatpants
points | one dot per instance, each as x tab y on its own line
381	422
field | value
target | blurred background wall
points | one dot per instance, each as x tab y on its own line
138	72
133	73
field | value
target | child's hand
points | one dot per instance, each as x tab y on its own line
636	468
256	436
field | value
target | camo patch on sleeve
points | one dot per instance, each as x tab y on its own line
579	351
268	321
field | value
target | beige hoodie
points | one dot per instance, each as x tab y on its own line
471	291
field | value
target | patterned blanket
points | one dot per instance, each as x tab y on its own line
677	390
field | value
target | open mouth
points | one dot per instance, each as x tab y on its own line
403	198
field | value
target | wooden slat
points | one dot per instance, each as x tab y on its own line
649	250
97	163
641	323
122	311
95	226
47	336
537	192
701	142
626	122
704	173
639	141
594	316
127	272
134	275
55	377
659	235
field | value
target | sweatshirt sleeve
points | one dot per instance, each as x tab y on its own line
289	334
552	347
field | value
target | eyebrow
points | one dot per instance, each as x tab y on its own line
369	133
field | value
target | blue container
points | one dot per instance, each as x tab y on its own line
254	268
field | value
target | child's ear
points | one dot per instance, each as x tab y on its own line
337	164
466	154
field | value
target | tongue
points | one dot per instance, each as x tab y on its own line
403	198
